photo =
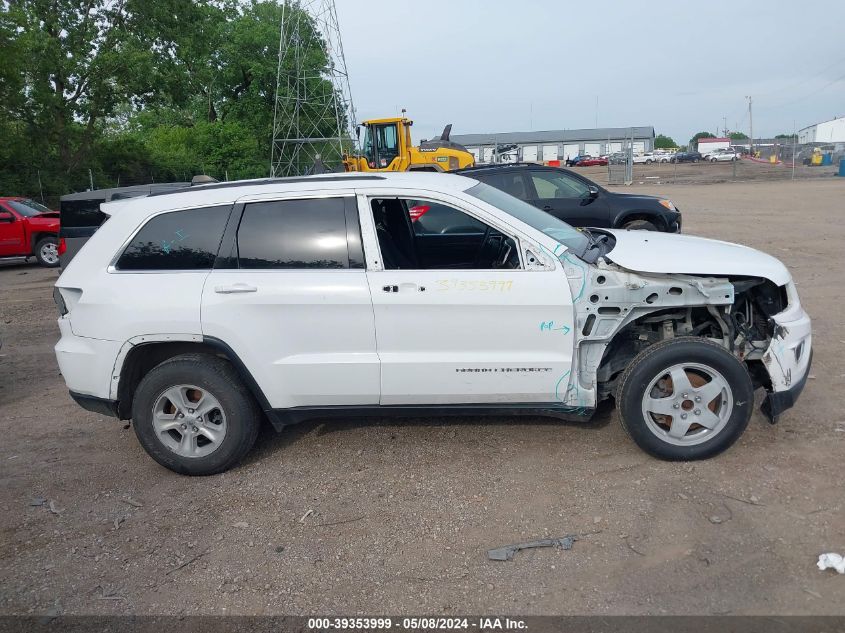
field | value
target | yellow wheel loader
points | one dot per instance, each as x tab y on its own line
386	146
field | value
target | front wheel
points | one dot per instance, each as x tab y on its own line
684	399
193	415
640	225
47	251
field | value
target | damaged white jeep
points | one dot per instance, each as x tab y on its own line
199	313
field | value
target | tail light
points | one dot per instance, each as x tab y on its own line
59	300
416	212
66	299
62	246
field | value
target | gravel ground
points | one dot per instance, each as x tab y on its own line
395	516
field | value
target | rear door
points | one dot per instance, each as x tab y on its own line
467	331
567	197
289	295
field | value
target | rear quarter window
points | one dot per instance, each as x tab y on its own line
177	240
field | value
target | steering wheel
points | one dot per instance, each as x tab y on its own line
505	255
489	247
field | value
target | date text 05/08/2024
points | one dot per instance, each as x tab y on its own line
417	624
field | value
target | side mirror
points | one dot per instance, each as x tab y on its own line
594	191
6	216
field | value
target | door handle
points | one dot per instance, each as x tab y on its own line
235	289
405	287
547	207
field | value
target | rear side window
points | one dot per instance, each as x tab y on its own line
81	213
509	182
179	240
294	234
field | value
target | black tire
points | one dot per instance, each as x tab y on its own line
207	372
47	251
661	356
695	160
640	225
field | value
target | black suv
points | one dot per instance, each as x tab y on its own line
577	200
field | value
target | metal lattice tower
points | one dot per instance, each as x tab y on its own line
313	115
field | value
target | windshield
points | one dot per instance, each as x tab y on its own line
28	208
574	240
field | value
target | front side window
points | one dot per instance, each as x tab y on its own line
538	219
178	240
387	142
308	233
427	235
558	185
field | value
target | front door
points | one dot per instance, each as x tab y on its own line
11	233
567	198
290	297
459	320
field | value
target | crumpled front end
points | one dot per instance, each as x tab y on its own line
788	358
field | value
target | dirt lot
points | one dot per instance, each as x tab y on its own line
396	516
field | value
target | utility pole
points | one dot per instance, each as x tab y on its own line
725	125
750	128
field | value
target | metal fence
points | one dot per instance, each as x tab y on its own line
620	167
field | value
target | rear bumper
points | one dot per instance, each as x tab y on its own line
86	363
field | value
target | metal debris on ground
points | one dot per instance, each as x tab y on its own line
306	515
54	509
38	501
832	560
508	551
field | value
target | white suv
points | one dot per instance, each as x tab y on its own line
199	313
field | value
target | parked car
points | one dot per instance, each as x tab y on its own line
29	229
665	157
297	298
686	157
592	162
617	158
571	162
647	158
578	200
723	155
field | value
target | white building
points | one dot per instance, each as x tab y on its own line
547	145
710	145
832	131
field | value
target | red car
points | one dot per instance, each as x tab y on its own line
590	162
29	229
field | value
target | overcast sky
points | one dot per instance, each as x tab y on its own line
501	66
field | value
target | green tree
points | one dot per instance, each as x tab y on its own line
738	136
143	90
662	141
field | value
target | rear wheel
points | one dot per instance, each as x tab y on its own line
193	415
640	225
47	251
684	399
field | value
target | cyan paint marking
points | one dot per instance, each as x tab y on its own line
549	326
557	386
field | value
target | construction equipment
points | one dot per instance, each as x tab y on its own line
386	146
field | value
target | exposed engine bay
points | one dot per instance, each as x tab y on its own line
619	313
